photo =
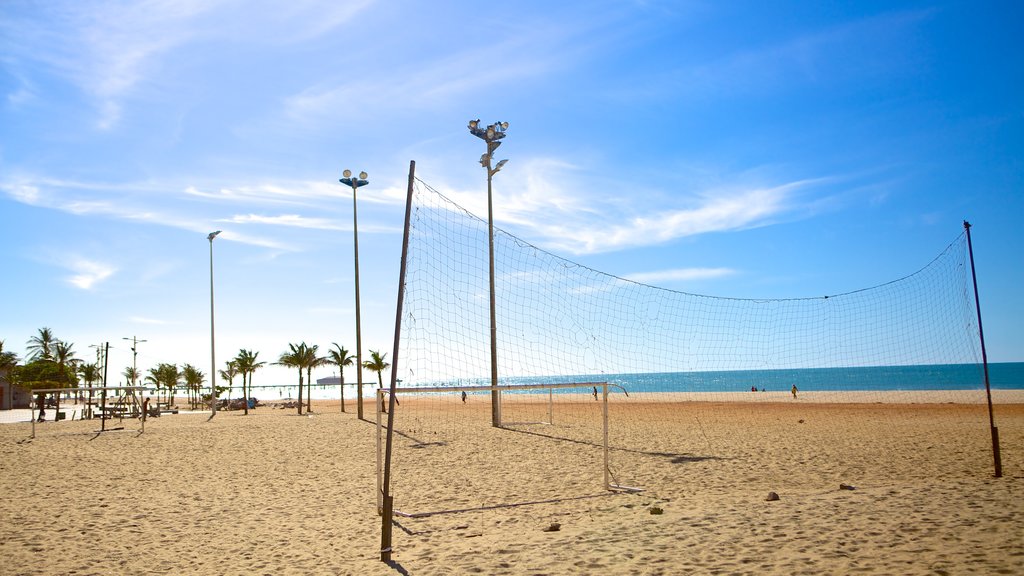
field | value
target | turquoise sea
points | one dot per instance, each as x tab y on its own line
1002	375
1007	375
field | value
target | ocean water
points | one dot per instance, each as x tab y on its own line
1008	375
1002	375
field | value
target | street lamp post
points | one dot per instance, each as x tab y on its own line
492	135
135	366
213	347
355	183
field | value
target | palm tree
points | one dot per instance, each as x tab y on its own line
229	374
340	357
312	361
41	347
64	356
194	379
290	359
378	364
246	364
8	362
153	379
90	373
298	356
131	374
165	375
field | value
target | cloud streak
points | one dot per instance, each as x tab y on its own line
588	223
88	272
680	275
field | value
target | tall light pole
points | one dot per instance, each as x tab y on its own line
213	347
492	135
355	183
135	367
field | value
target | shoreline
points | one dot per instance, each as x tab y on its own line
1000	398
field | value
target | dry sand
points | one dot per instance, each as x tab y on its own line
275	493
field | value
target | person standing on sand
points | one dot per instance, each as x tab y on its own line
793	390
463	396
595	393
41	406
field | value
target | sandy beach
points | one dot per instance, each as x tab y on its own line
276	493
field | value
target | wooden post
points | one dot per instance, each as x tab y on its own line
380	467
385	527
385	535
607	463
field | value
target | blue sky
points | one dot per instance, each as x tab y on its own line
742	149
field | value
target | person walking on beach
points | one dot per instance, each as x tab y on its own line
463	396
41	406
595	393
793	390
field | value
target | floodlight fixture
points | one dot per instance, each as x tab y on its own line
348	180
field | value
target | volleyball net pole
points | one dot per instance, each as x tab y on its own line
997	459
386	501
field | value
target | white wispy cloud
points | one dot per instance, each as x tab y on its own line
88	272
109	48
680	275
294	220
24	193
737	211
567	218
500	61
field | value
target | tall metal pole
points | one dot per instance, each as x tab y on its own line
355	183
492	135
984	359
213	346
135	367
103	394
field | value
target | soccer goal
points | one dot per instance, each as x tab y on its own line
423	410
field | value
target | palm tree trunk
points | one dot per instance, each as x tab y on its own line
309	389
300	391
245	393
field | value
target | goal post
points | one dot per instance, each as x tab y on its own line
604	387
